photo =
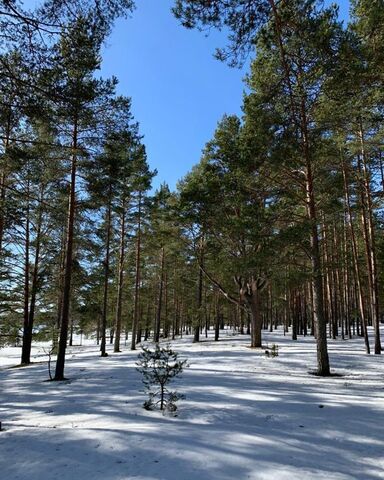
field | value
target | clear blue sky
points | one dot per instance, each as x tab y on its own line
179	91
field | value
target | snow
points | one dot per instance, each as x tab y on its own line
245	416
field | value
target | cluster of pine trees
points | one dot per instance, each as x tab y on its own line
280	224
288	199
74	175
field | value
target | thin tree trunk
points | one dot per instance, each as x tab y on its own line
3	179
60	284
27	336
166	324
71	326
295	314
59	372
160	299
137	279
120	281
327	280
370	243
360	296
196	336
106	278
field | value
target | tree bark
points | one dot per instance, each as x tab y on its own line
323	368
256	319
26	329
300	121
370	242
120	281
137	280
3	179
196	336
360	295
106	277
27	335
60	363
160	299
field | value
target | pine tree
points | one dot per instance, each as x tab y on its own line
158	368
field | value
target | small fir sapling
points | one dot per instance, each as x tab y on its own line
158	367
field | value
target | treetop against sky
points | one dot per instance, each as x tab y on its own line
179	90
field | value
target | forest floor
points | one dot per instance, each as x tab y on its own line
245	416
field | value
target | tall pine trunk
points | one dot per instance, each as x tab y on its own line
299	118
323	367
160	299
355	256
60	363
196	335
137	280
27	334
369	240
24	358
3	179
120	281
256	319
106	277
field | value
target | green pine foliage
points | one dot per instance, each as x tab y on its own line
159	366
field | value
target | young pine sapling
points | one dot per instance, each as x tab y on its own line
158	367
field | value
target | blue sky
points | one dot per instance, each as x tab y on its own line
179	91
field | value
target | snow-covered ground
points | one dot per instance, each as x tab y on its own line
246	416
